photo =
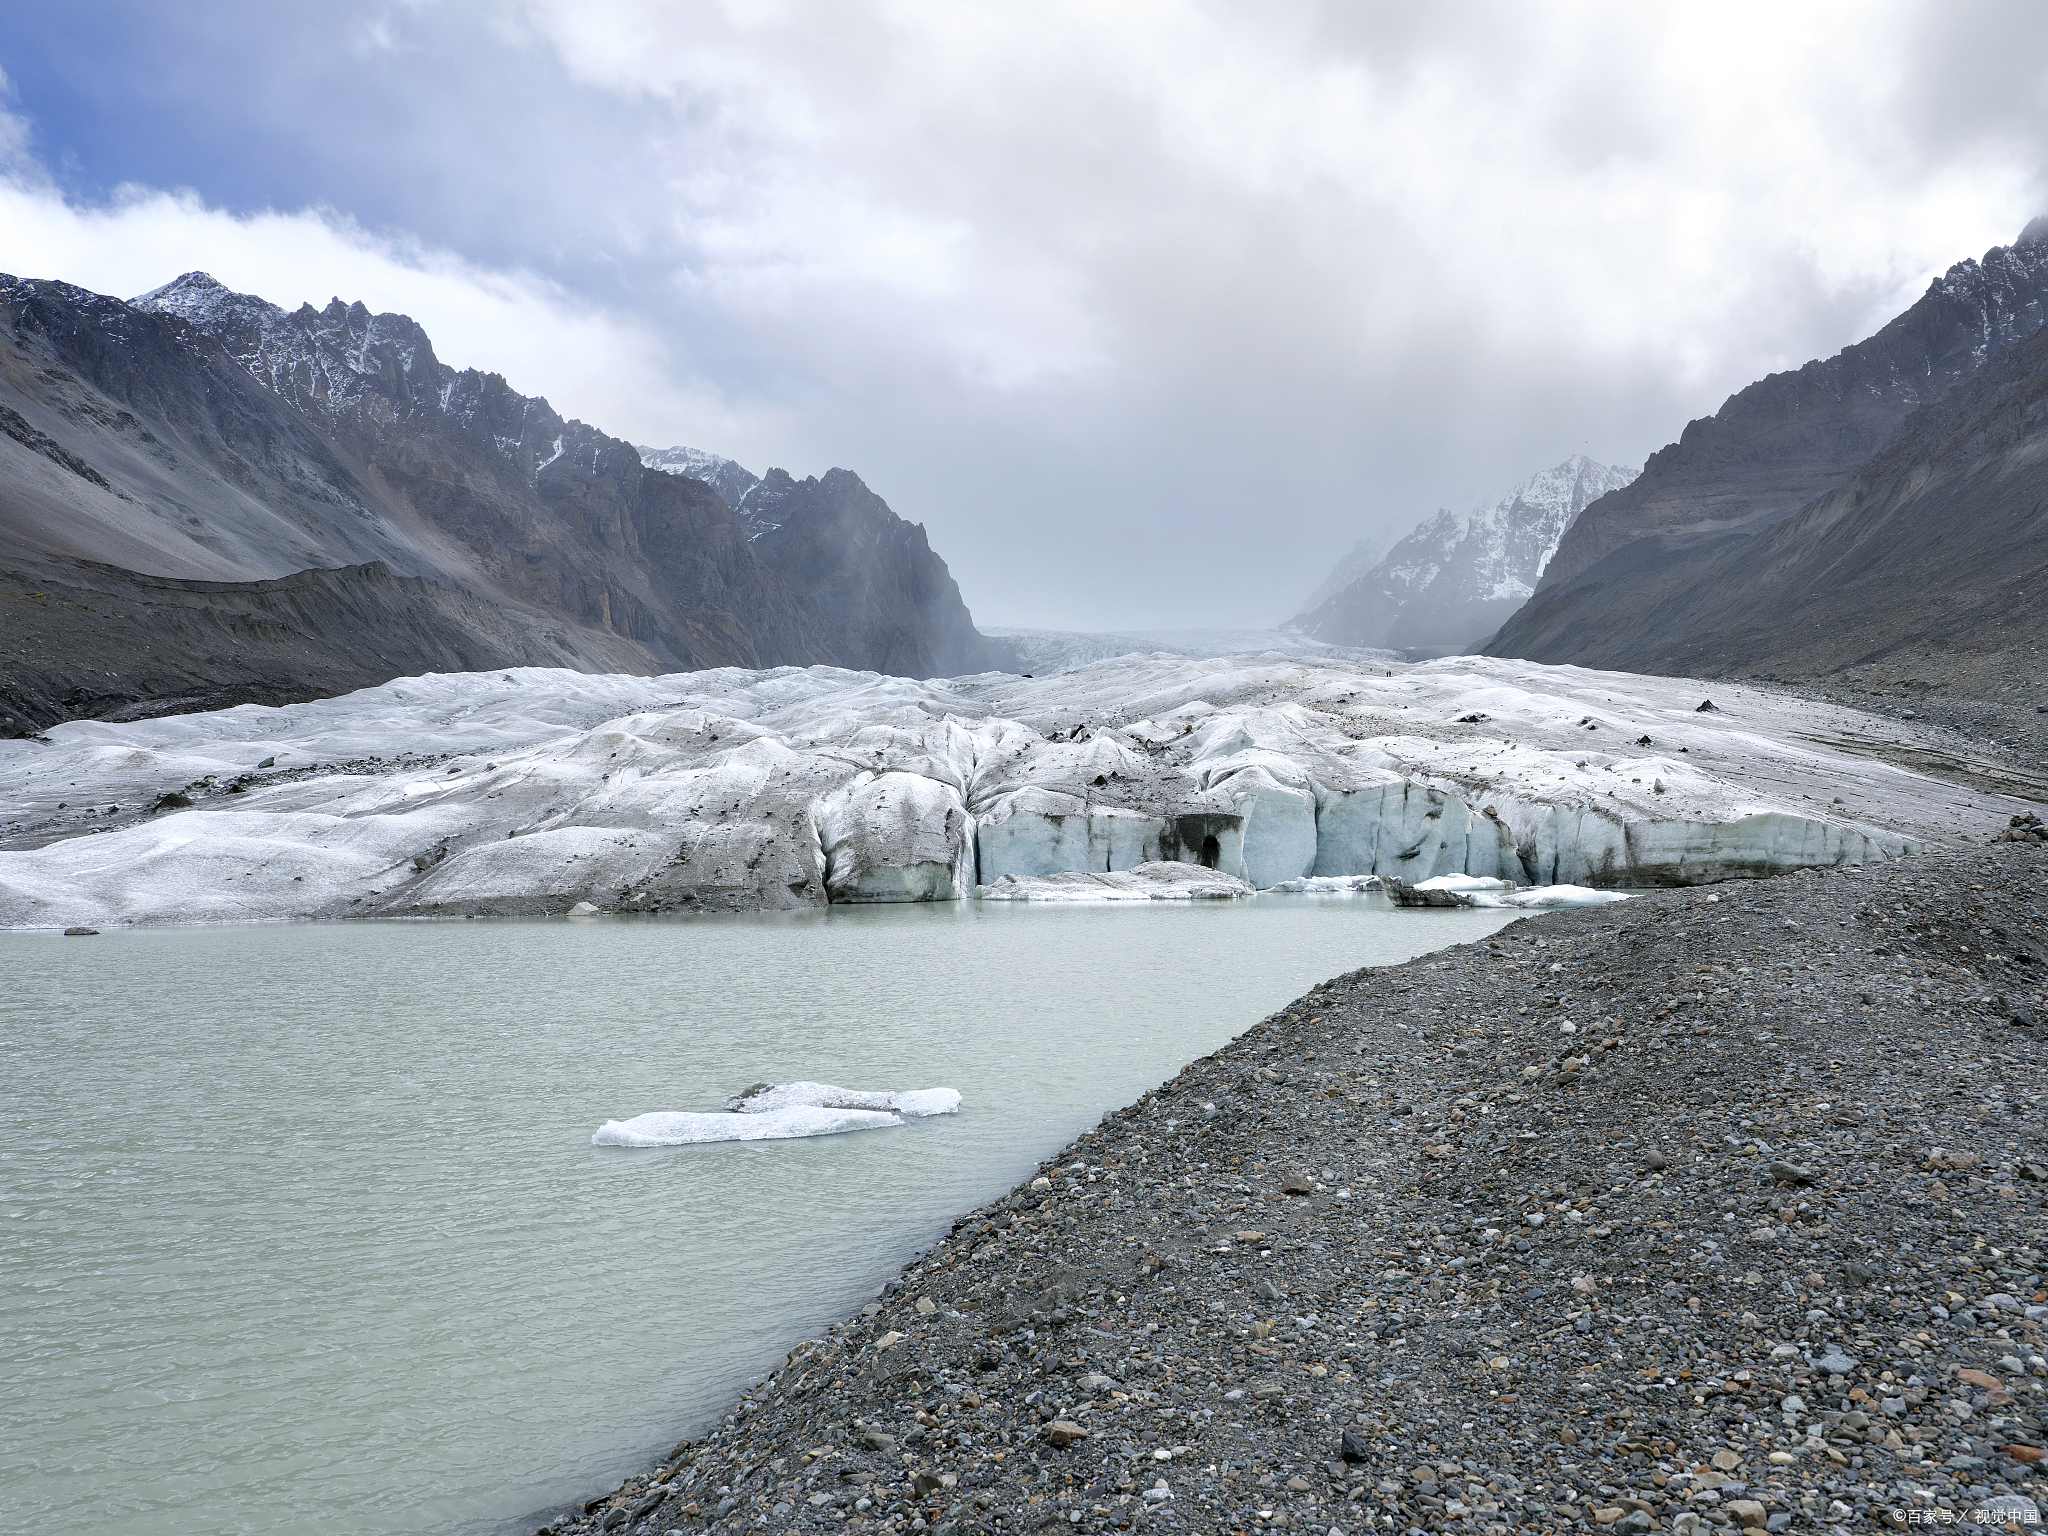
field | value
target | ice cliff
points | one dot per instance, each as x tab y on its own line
534	789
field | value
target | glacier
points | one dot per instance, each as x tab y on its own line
533	790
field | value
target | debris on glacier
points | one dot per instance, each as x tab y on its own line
1165	881
1402	894
533	790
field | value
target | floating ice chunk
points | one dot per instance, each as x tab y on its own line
772	1098
1327	885
676	1129
1148	882
1465	883
1546	896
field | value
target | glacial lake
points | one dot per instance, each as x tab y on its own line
304	1230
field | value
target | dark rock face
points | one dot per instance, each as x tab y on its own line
731	480
1931	562
203	435
94	641
869	578
1770	450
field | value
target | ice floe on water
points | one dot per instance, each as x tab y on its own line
1547	896
778	1112
1147	882
1463	890
1465	883
1328	885
768	1098
682	1127
534	790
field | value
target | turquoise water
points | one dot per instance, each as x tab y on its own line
304	1230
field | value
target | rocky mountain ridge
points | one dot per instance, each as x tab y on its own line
1447	585
1770	450
208	436
1930	565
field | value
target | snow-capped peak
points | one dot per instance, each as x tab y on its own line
206	302
1459	574
729	478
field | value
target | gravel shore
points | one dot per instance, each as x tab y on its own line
1715	1208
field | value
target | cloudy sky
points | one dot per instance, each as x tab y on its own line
1146	310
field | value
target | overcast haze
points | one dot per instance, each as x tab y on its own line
1147	311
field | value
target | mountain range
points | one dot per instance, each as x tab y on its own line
205	498
1880	509
1450	583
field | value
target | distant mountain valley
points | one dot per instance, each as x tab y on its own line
1449	584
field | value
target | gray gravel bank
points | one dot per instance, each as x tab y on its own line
1720	1208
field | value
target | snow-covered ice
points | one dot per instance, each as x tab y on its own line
531	790
1478	890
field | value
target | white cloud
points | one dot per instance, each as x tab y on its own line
1361	259
610	371
1149	309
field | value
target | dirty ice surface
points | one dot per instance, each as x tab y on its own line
532	790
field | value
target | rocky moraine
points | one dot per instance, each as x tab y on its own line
1719	1208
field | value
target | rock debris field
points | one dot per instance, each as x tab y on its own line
1709	1209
